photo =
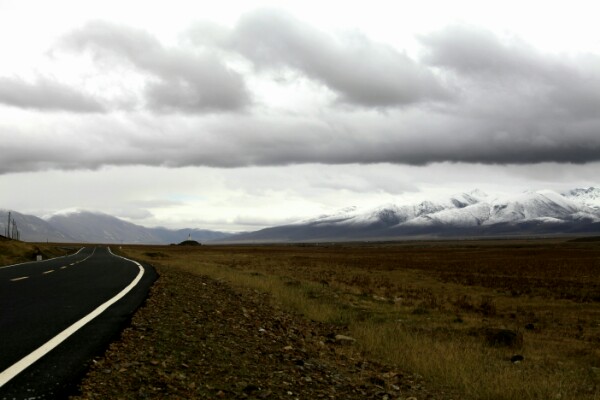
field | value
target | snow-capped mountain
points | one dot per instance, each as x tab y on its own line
468	210
541	205
391	214
468	214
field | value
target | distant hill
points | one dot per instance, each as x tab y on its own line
90	227
93	227
34	229
175	236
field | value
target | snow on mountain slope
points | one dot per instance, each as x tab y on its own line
341	215
532	205
472	215
421	213
589	197
471	209
542	206
393	214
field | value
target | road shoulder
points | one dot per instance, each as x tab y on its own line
199	338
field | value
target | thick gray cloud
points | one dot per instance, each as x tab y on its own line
245	140
180	81
471	50
510	104
542	85
360	71
45	94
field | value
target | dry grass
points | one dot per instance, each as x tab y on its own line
424	306
12	251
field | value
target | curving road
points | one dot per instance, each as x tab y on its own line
55	315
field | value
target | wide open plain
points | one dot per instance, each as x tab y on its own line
425	319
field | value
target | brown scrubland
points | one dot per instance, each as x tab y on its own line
495	319
476	319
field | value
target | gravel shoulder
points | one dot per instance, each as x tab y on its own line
199	338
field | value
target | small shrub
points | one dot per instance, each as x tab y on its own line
464	303
420	311
487	306
503	338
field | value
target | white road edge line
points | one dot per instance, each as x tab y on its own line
55	258
26	361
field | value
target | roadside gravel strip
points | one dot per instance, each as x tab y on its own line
198	338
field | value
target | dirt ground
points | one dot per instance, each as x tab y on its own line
198	338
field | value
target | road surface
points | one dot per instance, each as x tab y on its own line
55	315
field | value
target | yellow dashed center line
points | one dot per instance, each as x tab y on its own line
63	267
47	272
19	279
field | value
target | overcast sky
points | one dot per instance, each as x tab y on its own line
244	114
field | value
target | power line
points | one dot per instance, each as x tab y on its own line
12	230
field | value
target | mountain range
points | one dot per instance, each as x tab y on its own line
466	214
470	214
92	227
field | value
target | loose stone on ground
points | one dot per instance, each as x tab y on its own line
199	338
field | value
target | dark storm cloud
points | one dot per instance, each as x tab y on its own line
180	80
245	140
358	70
44	94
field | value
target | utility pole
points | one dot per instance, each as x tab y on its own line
8	226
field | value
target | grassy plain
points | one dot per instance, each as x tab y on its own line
428	307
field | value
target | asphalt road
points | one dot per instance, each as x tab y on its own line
56	315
